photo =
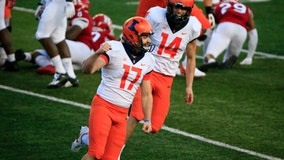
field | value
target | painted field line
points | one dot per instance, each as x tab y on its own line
172	130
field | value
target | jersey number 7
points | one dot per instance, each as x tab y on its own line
127	70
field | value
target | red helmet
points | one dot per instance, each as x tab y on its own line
183	4
81	4
103	23
135	27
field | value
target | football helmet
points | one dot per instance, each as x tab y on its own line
102	22
132	29
81	4
182	4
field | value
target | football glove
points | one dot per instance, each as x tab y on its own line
70	9
210	16
39	11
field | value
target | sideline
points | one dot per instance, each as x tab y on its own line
172	130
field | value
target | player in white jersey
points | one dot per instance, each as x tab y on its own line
235	22
51	34
125	66
175	33
6	41
78	39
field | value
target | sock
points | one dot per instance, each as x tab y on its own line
58	64
11	57
211	60
42	61
28	56
85	139
67	64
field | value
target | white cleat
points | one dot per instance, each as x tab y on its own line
77	144
246	61
198	73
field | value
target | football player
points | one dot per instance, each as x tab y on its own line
207	22
102	30
125	65
175	34
78	39
10	63
235	21
51	35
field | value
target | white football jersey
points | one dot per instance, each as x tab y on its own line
121	77
170	46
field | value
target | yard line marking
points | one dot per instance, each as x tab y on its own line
45	97
220	144
172	130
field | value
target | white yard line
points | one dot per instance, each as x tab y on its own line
172	130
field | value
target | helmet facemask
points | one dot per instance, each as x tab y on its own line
175	18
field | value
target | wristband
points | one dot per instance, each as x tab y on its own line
147	120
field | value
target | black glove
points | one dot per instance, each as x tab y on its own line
210	16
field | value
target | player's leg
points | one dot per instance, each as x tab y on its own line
161	99
218	43
235	46
116	138
6	41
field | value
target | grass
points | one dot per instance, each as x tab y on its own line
242	106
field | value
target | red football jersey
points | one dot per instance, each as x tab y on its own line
86	35
232	12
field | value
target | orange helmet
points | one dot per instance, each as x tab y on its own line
132	29
81	4
135	27
182	4
103	22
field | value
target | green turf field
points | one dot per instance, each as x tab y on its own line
237	114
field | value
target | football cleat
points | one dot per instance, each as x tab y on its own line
77	143
72	82
198	73
10	66
246	61
229	62
205	67
46	70
20	55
